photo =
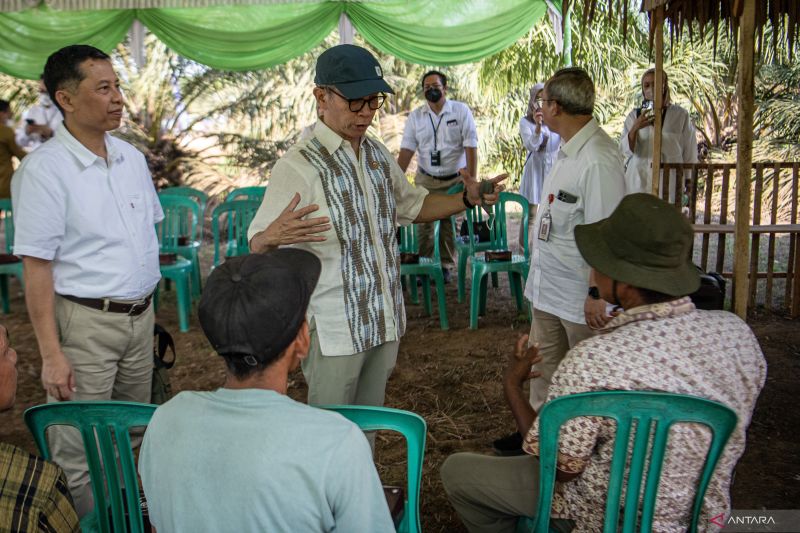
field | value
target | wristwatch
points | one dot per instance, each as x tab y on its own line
594	293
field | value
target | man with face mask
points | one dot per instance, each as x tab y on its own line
443	134
39	122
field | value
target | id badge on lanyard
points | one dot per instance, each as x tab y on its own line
545	222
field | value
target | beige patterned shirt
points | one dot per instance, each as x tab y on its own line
669	347
358	302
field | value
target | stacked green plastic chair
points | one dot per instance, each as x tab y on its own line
653	413
11	266
469	245
413	428
428	268
172	239
247	193
517	267
195	194
104	427
235	218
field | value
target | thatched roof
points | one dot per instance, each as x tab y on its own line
781	16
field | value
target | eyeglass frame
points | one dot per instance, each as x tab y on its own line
538	101
364	101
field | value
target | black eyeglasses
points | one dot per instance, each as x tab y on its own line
357	104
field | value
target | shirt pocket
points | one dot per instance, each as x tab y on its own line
452	130
564	215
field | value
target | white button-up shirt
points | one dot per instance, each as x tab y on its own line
589	168
454	130
358	302
94	220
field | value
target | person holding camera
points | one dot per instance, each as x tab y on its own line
678	140
542	146
40	121
443	134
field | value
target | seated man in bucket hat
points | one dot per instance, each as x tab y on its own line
246	457
658	341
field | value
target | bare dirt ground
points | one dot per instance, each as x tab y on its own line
452	379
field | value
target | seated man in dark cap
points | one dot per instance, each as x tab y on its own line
658	341
246	457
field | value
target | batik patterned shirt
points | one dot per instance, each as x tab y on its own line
33	494
668	347
358	302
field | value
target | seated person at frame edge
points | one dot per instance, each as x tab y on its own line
33	492
246	457
641	260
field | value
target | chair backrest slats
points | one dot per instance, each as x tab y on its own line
247	193
649	417
8	223
104	427
414	429
237	216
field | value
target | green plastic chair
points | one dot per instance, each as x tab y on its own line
428	268
413	428
469	245
195	194
178	233
236	216
101	424
247	193
656	411
12	265
517	268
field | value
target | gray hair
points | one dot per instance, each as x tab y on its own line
573	89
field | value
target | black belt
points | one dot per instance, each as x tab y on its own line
104	304
448	177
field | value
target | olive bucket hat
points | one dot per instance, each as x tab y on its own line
645	243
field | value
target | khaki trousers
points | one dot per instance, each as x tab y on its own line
446	234
357	379
490	493
112	359
555	337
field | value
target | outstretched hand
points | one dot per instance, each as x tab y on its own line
518	370
486	197
291	227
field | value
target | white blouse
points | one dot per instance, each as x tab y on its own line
678	145
542	148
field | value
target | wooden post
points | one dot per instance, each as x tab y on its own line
744	157
658	93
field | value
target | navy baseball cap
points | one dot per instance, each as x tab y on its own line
353	70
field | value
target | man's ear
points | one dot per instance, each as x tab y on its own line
64	99
302	341
321	96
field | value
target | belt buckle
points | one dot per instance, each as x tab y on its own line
135	306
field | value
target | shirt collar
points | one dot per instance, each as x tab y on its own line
331	140
446	108
85	156
670	309
574	145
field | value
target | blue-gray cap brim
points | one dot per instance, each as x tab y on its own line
360	89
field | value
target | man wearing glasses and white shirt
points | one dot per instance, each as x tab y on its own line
356	314
443	134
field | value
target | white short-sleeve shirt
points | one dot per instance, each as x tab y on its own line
94	220
588	169
454	130
41	116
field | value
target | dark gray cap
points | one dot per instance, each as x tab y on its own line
253	306
353	70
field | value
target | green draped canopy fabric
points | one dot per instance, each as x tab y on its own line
251	37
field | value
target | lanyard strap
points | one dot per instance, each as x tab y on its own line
435	128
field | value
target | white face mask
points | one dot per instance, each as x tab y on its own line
44	100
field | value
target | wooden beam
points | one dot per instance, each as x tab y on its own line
658	93
744	155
